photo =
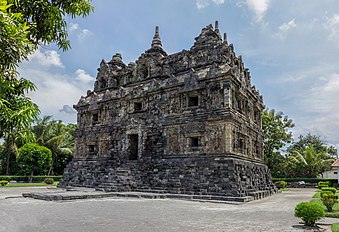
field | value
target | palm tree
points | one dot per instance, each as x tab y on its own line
60	141
42	129
309	162
58	137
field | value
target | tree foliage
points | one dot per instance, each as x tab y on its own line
276	136
317	143
17	112
53	134
46	18
309	212
34	159
25	24
14	43
308	162
58	137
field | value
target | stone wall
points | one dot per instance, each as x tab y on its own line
185	175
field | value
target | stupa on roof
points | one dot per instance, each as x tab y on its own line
188	122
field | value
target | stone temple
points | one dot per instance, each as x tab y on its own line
184	123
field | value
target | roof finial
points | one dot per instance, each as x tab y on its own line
216	28
225	38
156	42
216	25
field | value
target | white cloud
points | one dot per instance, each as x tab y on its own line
319	105
84	34
46	58
259	7
84	77
332	26
56	91
287	26
67	109
73	27
219	2
284	28
201	4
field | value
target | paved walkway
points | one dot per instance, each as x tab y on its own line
273	213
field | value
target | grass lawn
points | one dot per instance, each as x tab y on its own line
335	227
28	185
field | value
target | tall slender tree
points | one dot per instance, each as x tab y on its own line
276	127
16	115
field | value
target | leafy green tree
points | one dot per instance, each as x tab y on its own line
305	141
42	129
318	144
308	162
34	159
46	18
14	43
25	24
61	143
332	151
276	136
16	114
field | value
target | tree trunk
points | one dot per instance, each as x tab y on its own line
30	177
7	163
50	171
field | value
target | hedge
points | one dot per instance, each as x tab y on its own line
307	180
25	178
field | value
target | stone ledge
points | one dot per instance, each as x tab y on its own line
74	194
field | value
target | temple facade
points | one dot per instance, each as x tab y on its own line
188	123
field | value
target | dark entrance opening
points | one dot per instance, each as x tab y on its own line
133	147
95	118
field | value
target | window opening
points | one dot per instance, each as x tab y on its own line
91	148
95	118
193	101
193	141
137	106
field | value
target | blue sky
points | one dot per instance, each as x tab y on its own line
290	47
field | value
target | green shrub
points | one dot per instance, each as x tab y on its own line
322	184
307	180
280	184
329	189
329	200
325	192
309	212
48	181
3	182
25	178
